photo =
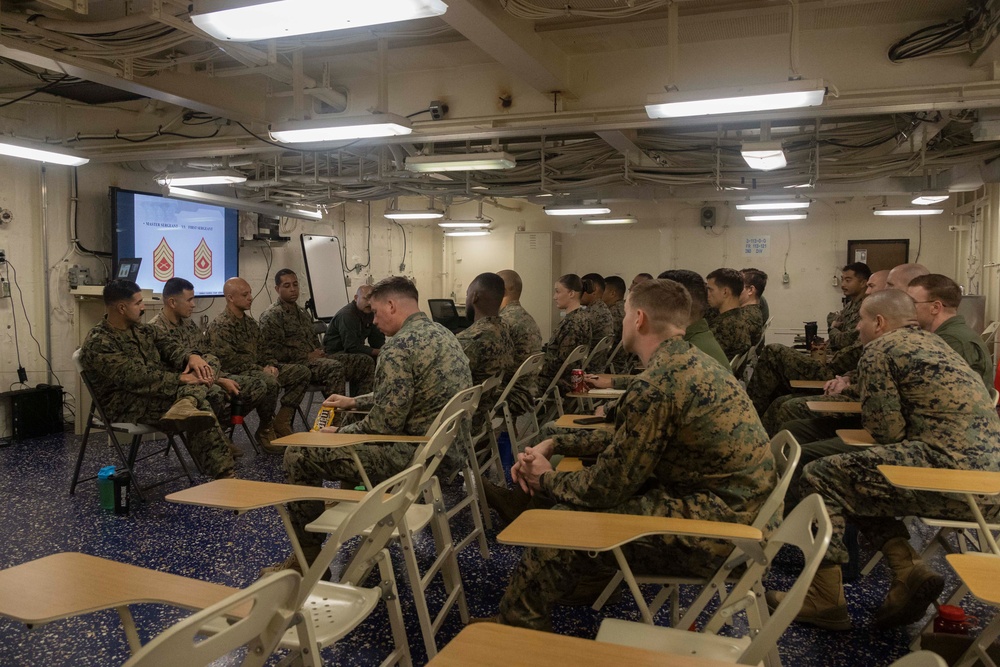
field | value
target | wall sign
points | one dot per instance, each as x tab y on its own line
757	246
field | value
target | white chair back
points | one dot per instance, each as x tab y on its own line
465	401
602	346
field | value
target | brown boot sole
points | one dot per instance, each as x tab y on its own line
190	423
273	449
913	608
832	619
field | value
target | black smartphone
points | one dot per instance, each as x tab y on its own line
586	421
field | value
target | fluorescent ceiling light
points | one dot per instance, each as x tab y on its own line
251	20
214	177
477	232
908	211
627	220
772	205
576	209
465	162
789	95
764	155
41	152
340	129
414	214
464	224
239	204
928	199
306	213
776	217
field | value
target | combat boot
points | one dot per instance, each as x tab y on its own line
184	415
283	421
914	587
824	605
265	434
233	449
508	504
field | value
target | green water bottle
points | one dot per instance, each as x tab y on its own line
106	487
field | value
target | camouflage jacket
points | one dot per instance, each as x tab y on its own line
185	334
287	331
961	338
617	310
732	331
419	370
601	326
914	387
843	330
238	343
573	331
755	321
490	351
671	444
523	330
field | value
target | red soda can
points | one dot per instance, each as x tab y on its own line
579	384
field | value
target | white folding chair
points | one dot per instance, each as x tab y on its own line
808	528
255	617
135	432
600	348
483	454
420	515
920	659
543	410
979	574
527	372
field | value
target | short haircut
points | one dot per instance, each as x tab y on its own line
490	285
394	286
647	276
281	274
663	301
119	290
572	282
176	287
755	278
859	269
730	278
940	288
904	274
616	284
511	282
695	285
894	305
591	281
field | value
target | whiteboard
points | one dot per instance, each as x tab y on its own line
325	273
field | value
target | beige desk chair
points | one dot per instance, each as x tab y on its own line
616	354
483	455
550	403
980	575
602	346
808	528
526	372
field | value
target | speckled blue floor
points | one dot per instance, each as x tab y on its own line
40	518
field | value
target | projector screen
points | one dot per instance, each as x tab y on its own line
198	242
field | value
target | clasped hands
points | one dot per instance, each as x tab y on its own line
531	464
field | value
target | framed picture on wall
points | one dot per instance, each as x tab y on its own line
879	254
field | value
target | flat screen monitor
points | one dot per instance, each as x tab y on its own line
191	240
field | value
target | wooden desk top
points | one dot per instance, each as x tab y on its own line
569	464
943	480
848	407
319	439
598	393
69	584
980	572
807	384
599	531
613	376
855	436
244	494
567	421
493	645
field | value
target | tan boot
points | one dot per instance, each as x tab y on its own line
264	436
184	415
824	605
914	587
233	449
283	421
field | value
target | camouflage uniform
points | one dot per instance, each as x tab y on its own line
845	333
961	338
187	335
755	321
288	332
732	330
673	454
420	369
926	407
573	331
131	380
491	353
353	332
617	310
527	340
240	347
601	326
777	365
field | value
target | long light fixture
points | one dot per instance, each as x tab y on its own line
213	177
576	209
465	224
239	204
789	95
251	20
929	198
414	214
907	211
764	155
471	232
340	129
777	217
772	205
40	152
464	162
626	220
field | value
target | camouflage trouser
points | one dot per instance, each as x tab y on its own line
328	373
359	370
294	379
791	407
776	366
854	490
521	398
545	575
253	389
313	465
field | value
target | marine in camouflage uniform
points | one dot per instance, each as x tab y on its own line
842	327
526	339
241	349
617	310
671	455
573	331
755	321
778	364
130	376
490	351
287	330
732	330
420	369
601	326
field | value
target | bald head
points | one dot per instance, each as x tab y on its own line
362	298
238	296
877	281
885	311
512	285
900	276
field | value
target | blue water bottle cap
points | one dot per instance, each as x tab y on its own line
106	472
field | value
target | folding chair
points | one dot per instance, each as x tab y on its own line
528	371
808	528
417	517
270	606
310	396
543	412
135	432
980	574
602	346
753	354
482	454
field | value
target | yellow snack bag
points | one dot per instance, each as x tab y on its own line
323	419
